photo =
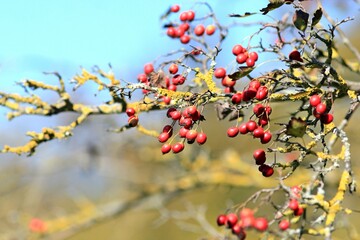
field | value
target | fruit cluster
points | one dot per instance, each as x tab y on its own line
321	110
133	118
243	56
186	119
184	29
245	220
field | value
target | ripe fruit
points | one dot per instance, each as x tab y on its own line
220	72
179	32
299	211
326	118
284	224
237	229
254	56
199	30
183	16
201	138
232	132
163	137
130	112
267	171
261	224
295	55
266	137
165	148
210	29
228	82
221	220
261	93
315	100
243	128
190	15
259	156
182	132
258	132
250	62
237	49
321	108
166	100
251	125
184	26
148	68
191	135
241	58
258	109
254	84
177	147
249	94
173	69
293	204
236	98
142	78
231	219
185	39
175	8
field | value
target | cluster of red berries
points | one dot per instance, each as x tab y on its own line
244	221
254	91
294	202
243	56
186	120
133	118
183	30
321	109
260	159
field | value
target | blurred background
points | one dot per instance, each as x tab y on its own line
66	183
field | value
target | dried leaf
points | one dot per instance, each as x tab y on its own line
157	79
166	14
296	127
300	20
243	71
242	15
235	114
222	110
316	18
274	4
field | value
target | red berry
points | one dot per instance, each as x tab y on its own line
237	49
248	221
258	132
232	219
183	131
168	129
177	147
261	224
210	29
263	120
201	138
175	8
258	109
133	121
316	114
185	39
229	89
171	32
237	229
255	84
236	98
243	128
142	78
250	62
175	115
259	156
169	111
261	93
199	30
183	16
299	211
295	55
148	68
221	220
267	171
165	148
228	82
268	110
266	137
191	135
185	122
220	72
254	56
173	69
249	94
190	15
315	100
179	32
166	100
241	58
172	87
284	224
321	108
326	118
130	112
232	132
251	125
191	110
163	137
246	212
184	26
293	204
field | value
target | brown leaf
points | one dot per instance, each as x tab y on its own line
316	18
274	4
157	79
242	15
243	71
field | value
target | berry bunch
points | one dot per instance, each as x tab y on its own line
243	56
320	110
186	119
133	118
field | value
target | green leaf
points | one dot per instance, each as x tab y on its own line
274	4
242	15
316	18
296	127
243	71
300	20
